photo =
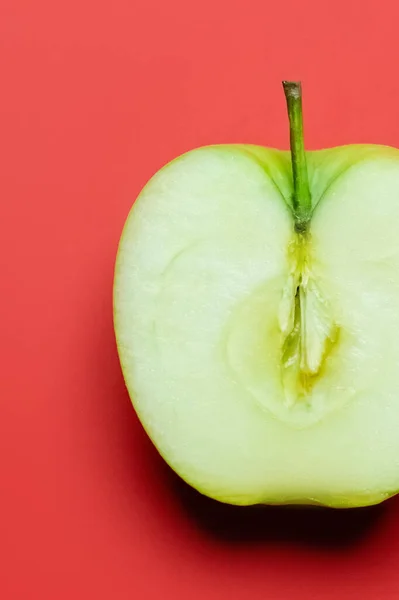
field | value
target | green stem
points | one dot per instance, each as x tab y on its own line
301	202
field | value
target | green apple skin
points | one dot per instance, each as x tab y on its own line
201	270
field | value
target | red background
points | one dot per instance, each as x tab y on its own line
95	97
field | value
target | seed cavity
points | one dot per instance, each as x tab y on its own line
308	329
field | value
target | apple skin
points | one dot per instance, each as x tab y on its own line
325	168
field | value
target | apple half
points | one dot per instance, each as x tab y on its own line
256	311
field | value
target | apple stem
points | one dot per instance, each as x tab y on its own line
301	201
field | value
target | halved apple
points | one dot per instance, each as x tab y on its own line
256	308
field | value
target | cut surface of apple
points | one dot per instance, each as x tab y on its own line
263	361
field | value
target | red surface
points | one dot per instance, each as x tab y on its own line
95	97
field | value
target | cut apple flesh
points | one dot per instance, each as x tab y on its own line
264	363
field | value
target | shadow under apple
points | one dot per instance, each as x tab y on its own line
311	526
